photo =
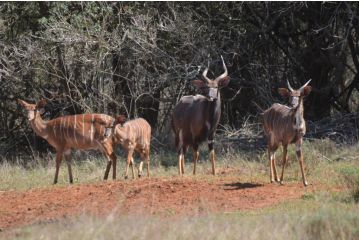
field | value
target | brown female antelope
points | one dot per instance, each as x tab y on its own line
195	118
83	131
133	135
286	125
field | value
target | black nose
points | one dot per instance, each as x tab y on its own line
107	133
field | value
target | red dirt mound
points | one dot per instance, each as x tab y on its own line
166	196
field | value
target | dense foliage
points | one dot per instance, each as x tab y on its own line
139	58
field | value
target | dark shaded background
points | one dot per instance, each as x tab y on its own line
139	59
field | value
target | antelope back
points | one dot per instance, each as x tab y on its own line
82	131
279	124
137	130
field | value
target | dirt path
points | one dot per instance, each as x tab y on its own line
167	196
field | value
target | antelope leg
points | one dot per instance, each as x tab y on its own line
285	159
195	159
58	163
68	162
301	162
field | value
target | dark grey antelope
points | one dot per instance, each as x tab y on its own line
286	125
195	118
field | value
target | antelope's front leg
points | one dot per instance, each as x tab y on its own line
270	165
180	156
195	158
111	161
68	162
285	159
58	163
298	149
212	155
129	160
143	158
133	168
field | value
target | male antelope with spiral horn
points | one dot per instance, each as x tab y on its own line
195	118
286	125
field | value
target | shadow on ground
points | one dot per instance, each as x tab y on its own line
239	185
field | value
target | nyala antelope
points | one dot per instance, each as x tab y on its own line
195	118
134	136
285	125
82	131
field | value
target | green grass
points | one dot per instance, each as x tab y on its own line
321	214
323	160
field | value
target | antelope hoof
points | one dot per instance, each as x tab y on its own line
281	182
126	177
139	175
305	184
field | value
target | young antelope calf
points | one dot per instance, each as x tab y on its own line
133	135
286	125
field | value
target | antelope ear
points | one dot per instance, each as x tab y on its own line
41	104
23	103
284	92
120	119
199	83
223	82
306	91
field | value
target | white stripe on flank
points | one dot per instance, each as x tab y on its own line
74	130
83	127
91	132
61	128
68	128
54	130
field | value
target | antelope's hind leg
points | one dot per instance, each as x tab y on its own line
108	167
144	157
114	166
68	162
129	161
148	162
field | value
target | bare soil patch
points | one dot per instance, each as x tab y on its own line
169	196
